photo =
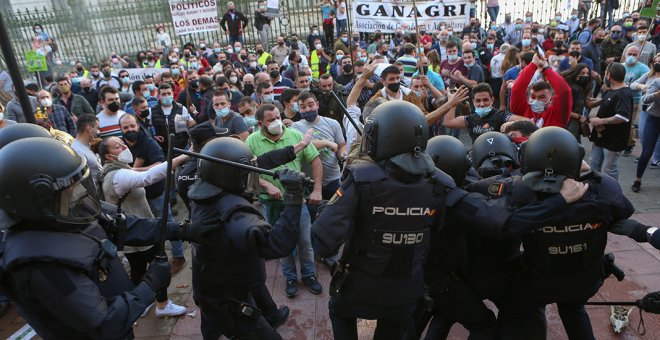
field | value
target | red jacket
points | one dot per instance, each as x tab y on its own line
558	113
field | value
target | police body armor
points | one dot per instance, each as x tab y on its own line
566	259
81	251
227	274
386	253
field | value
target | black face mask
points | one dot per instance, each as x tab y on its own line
86	89
248	88
131	136
559	43
106	74
274	74
394	87
79	68
144	114
348	68
656	67
113	107
194	83
260	51
425	69
598	40
187	55
583	80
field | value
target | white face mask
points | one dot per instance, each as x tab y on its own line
275	128
47	102
2	115
125	156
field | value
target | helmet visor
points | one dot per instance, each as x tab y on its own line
78	203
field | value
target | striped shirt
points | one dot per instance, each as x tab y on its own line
409	65
280	86
109	124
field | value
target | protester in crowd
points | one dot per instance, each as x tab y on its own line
233	23
75	104
58	115
578	78
634	70
262	23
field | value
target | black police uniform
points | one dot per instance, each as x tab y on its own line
71	285
563	261
228	259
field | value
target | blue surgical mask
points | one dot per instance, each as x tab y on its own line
125	80
250	120
217	50
167	100
482	111
474	45
310	78
537	106
518	26
222	113
363	59
193	66
295	107
175	72
468	65
345	40
151	87
493	27
237	49
490	46
526	42
631	59
574	16
338	57
452	57
309	116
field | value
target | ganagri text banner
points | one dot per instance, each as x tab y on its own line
194	16
388	15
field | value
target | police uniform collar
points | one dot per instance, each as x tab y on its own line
414	163
202	190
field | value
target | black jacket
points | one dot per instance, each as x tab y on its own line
234	25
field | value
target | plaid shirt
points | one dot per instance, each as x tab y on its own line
365	94
61	120
514	38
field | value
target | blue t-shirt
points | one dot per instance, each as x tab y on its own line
327	11
511	74
434	78
634	72
564	65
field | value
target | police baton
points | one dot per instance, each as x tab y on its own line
273	173
345	111
166	199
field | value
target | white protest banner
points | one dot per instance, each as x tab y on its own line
141	73
194	16
272	8
388	15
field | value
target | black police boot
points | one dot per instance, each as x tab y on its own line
280	318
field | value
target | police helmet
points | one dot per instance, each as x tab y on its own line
394	128
18	131
449	155
549	156
215	177
493	151
43	180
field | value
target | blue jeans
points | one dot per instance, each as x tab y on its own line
606	160
493	12
341	27
650	140
305	251
156	205
643	116
235	38
605	12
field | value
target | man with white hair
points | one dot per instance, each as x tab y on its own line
58	115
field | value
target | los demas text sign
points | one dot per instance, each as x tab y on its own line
194	16
388	15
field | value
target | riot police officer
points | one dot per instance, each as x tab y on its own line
21	130
232	239
493	153
447	266
388	211
58	266
563	262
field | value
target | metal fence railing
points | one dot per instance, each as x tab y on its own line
89	33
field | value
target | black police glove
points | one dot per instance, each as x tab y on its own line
158	274
179	231
630	228
292	181
650	303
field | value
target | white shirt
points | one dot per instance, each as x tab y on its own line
127	179
496	66
340	15
352	135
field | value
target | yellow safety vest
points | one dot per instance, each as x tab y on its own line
263	59
314	63
156	65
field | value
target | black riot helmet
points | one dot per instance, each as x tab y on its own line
394	128
44	180
449	155
549	156
18	131
493	151
216	177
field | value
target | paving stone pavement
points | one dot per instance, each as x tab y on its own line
309	313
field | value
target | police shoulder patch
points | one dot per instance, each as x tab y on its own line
496	188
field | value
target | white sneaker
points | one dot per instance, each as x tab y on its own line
170	310
146	310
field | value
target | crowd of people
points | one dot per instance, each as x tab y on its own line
310	95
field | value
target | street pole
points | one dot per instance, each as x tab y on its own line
14	72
